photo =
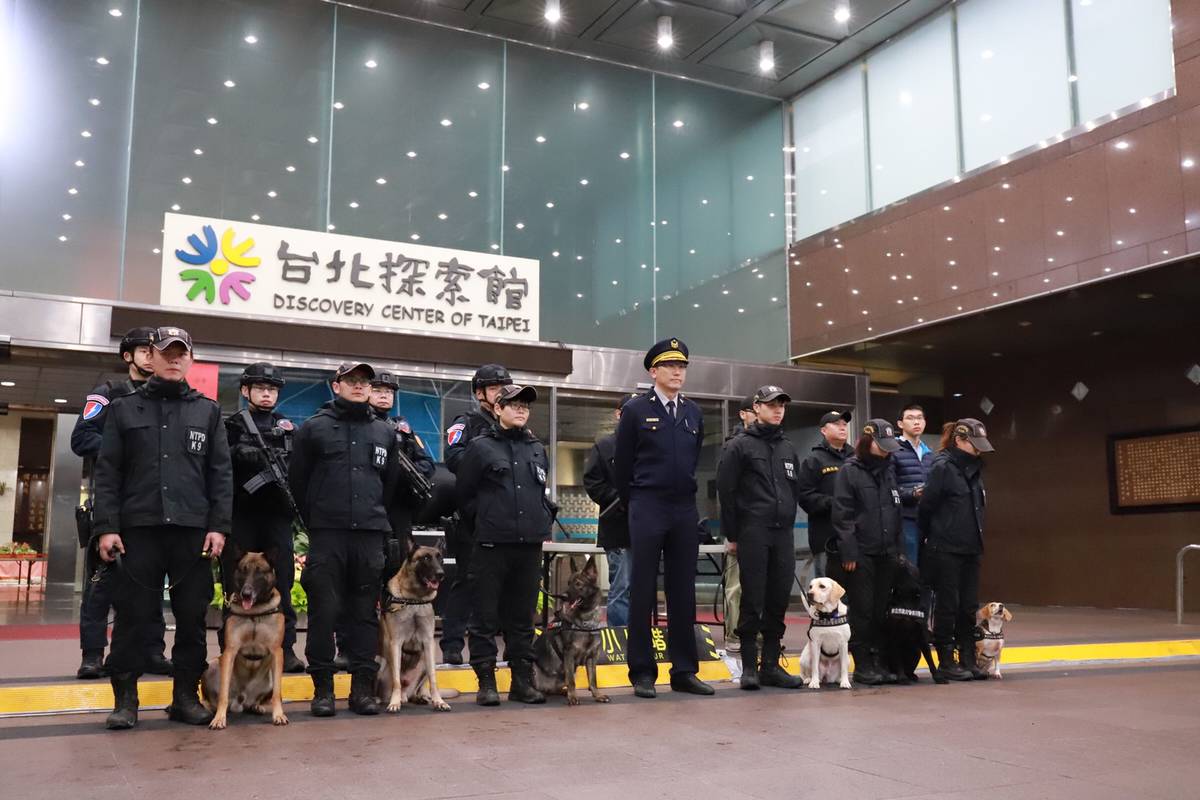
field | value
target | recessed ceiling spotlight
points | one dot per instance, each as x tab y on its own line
553	12
666	38
250	38
229	84
211	120
766	57
370	63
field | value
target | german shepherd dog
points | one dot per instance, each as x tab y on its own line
572	638
408	670
249	674
909	622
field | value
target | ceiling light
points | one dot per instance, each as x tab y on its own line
766	57
79	162
841	14
986	54
697	305
211	120
614	283
624	155
371	63
250	38
72	191
60	400
382	181
749	177
411	154
677	123
1133	211
255	217
583	181
520	226
197	152
229	84
484	86
906	98
1070	199
102	61
446	123
8	384
331	227
472	194
665	37
1188	163
579	295
704	202
443	216
313	140
62	237
86	134
583	105
185	180
553	11
290	168
504	168
94	101
272	193
1122	145
1005	186
353	204
338	105
579	258
415	237
114	12
540	139
554	253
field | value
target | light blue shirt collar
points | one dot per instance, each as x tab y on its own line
662	398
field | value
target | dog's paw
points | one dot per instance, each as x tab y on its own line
440	705
394	707
814	684
998	676
218	723
601	698
845	685
279	719
572	699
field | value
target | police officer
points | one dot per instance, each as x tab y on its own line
951	517
818	472
404	504
503	472
866	520
262	514
658	446
756	484
613	528
99	584
343	473
486	384
164	496
732	573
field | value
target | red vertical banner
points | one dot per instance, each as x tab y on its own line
203	378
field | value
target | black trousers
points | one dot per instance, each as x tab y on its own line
665	531
342	571
258	532
954	578
456	613
395	550
99	584
152	554
767	561
867	599
504	583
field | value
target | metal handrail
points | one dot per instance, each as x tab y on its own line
1179	581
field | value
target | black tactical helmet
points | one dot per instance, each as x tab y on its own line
262	372
135	338
386	379
490	375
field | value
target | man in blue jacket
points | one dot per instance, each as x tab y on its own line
911	463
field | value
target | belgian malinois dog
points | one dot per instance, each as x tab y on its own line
249	674
408	670
572	638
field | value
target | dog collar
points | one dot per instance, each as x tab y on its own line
559	625
983	633
828	620
233	610
390	600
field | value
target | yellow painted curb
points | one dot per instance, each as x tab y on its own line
57	698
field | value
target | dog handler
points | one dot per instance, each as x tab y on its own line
343	473
164	496
756	484
503	472
951	523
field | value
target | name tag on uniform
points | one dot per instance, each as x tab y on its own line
651	419
541	473
380	458
895	497
197	442
790	469
827	470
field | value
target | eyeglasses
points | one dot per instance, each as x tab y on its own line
518	406
354	380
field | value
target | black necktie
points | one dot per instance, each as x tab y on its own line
671	408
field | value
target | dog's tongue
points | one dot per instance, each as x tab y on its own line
247	603
432	584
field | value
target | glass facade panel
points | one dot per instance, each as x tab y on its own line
1138	30
829	133
1013	75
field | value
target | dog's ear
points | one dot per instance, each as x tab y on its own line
410	546
985	612
590	567
1007	615
836	592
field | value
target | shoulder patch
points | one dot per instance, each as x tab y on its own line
454	433
287	425
94	406
403	425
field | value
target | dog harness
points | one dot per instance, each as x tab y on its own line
826	619
560	625
982	633
390	600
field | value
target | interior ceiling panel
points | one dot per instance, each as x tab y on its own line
716	41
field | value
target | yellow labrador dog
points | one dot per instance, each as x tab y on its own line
991	642
826	655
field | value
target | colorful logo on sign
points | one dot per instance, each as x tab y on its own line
210	264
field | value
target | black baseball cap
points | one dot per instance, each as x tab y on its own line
625	398
834	416
346	367
513	392
883	433
975	432
771	393
747	403
162	338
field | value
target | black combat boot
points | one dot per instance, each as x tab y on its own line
749	680
881	667
292	662
452	656
158	664
966	657
772	673
322	703
522	689
362	694
125	702
92	665
185	705
487	694
949	668
865	671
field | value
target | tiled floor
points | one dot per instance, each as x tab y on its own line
1090	733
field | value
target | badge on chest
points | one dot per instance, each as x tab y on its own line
379	458
790	469
197	442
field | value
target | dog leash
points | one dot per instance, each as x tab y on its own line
118	563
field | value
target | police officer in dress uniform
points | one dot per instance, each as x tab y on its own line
756	484
504	472
343	473
99	584
486	384
164	497
658	446
262	515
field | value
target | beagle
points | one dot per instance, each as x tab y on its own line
989	633
826	655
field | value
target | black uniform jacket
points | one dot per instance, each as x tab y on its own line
250	462
756	481
164	460
88	432
866	509
818	474
460	433
657	455
503	474
600	485
343	468
953	504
